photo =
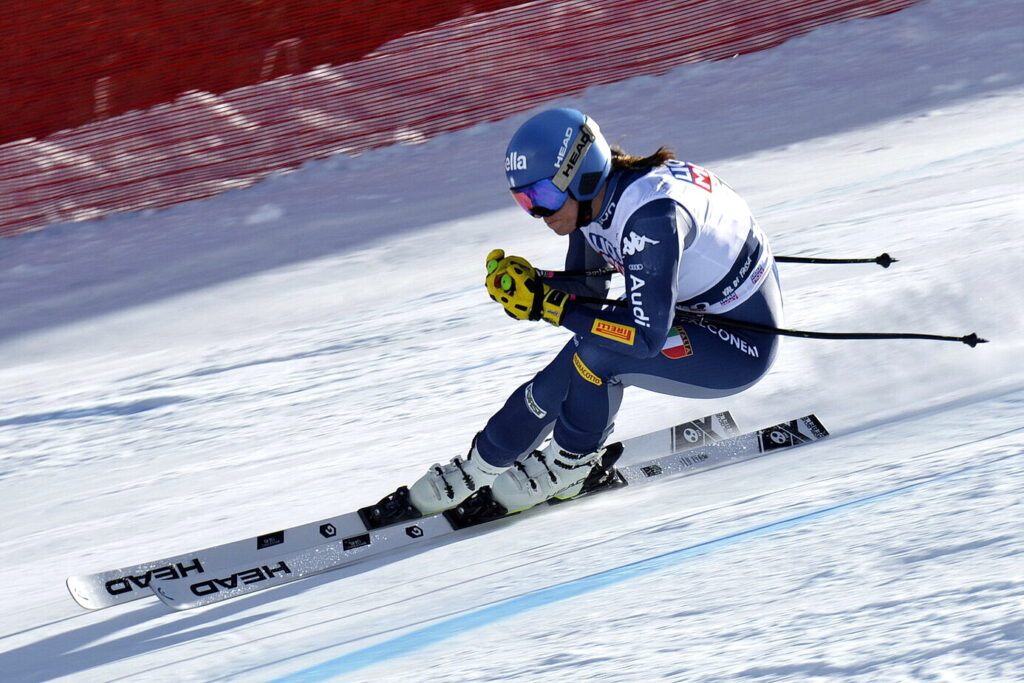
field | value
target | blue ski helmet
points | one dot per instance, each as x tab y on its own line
564	145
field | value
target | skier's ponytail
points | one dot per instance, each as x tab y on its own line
623	161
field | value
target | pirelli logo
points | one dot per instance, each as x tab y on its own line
584	371
614	331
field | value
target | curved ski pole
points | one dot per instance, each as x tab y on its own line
971	339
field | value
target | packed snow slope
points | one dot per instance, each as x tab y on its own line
229	367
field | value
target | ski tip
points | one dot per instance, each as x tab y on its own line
78	588
168	598
164	596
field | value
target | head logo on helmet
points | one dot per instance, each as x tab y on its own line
564	148
568	168
563	145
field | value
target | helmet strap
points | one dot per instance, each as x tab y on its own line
585	216
574	155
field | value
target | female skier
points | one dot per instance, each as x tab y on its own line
683	241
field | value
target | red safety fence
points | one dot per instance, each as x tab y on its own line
69	62
220	114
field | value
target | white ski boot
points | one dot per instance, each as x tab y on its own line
445	486
551	473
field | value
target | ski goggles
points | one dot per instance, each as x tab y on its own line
541	198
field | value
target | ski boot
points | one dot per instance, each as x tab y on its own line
445	486
551	473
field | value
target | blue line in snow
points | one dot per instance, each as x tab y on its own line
449	628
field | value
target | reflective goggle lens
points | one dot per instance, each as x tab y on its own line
540	199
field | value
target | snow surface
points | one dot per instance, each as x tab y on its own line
288	352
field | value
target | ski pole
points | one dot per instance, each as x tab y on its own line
971	339
883	260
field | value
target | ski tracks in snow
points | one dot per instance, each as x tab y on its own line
492	589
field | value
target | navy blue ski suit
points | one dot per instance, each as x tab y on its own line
643	344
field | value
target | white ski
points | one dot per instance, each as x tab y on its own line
347	531
280	568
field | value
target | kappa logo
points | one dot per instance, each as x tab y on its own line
515	162
635	243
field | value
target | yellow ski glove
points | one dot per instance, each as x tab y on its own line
513	283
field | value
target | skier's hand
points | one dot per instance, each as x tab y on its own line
513	283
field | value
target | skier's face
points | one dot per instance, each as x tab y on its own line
563	221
